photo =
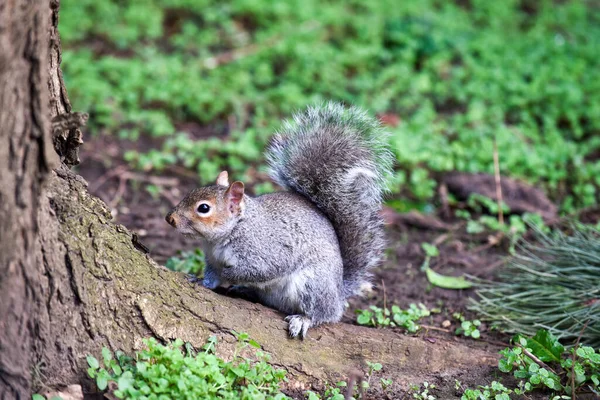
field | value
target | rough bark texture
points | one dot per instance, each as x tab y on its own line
24	166
71	281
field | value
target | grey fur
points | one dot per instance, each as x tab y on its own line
287	251
305	250
338	158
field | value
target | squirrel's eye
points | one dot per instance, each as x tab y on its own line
203	208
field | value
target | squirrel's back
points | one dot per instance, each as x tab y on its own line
338	159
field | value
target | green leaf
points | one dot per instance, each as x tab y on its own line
551	383
430	250
579	373
533	368
142	367
497	386
364	318
92	362
375	366
254	343
505	365
521	374
106	355
117	369
312	395
588	353
447	282
474	227
125	381
545	346
102	381
37	397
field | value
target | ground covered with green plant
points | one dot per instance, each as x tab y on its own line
176	371
179	90
214	78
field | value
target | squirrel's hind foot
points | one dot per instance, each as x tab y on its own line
298	325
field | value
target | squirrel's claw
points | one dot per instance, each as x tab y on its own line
192	278
298	325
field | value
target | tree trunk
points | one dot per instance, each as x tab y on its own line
24	168
72	281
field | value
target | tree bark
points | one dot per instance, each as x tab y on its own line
72	281
24	168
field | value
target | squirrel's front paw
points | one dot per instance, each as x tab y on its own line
298	324
210	282
207	282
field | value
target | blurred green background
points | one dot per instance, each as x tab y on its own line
212	79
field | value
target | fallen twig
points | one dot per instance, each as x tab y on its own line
435	328
498	184
573	363
536	360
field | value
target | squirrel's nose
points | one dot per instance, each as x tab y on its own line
170	218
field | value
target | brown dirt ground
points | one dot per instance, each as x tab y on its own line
398	281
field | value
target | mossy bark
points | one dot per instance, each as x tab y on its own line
73	281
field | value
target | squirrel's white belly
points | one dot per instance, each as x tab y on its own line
222	256
284	293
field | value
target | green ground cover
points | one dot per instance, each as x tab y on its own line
455	75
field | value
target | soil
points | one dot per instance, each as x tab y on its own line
399	280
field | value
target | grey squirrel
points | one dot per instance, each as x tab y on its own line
305	250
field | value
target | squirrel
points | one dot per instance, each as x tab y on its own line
305	250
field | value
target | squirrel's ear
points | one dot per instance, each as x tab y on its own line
235	195
223	179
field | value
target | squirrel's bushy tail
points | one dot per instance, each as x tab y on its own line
339	159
